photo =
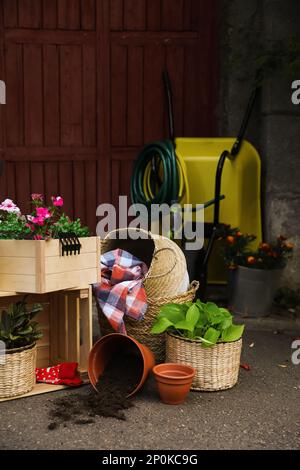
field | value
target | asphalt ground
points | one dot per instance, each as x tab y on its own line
261	412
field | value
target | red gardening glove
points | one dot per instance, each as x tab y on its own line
62	374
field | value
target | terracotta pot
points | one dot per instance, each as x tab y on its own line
103	349
173	381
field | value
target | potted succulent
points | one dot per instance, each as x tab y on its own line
203	336
254	273
31	248
18	333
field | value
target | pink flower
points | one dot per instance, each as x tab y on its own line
9	206
30	226
37	197
57	201
38	237
38	220
43	212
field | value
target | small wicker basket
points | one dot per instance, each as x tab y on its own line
217	367
17	374
140	330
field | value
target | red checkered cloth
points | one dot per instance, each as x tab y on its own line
121	291
62	374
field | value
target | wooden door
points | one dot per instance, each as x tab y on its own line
84	91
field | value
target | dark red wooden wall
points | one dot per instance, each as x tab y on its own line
84	91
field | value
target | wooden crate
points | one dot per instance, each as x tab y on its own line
66	322
36	266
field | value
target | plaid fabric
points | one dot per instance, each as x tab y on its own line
121	291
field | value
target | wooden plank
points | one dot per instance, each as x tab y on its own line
54	265
10	177
134	15
10	13
135	112
71	95
40	278
15	265
73	328
68	13
66	186
17	282
154	15
14	95
37	177
76	279
80	189
23	187
60	318
86	336
33	97
175	67
44	36
89	96
116	15
91	195
51	95
154	110
193	121
118	95
88	14
30	13
103	102
172	15
51	180
49	8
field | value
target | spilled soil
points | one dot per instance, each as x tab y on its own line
119	378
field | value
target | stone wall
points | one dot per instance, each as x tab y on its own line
247	26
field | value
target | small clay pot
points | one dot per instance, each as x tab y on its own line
173	381
106	346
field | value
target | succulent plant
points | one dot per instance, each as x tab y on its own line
16	326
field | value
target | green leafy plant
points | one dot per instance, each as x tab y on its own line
64	224
16	326
13	226
200	321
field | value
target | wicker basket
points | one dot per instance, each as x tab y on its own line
17	374
217	368
165	259
140	330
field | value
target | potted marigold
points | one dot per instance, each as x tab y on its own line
31	248
18	334
254	273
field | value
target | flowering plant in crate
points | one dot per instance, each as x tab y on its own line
45	221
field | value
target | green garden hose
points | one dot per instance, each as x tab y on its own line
159	175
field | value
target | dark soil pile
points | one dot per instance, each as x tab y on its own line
121	375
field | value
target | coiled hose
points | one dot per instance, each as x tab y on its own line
159	175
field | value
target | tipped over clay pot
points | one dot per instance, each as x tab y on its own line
121	344
173	381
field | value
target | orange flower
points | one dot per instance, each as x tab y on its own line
230	239
289	246
238	234
264	246
250	260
